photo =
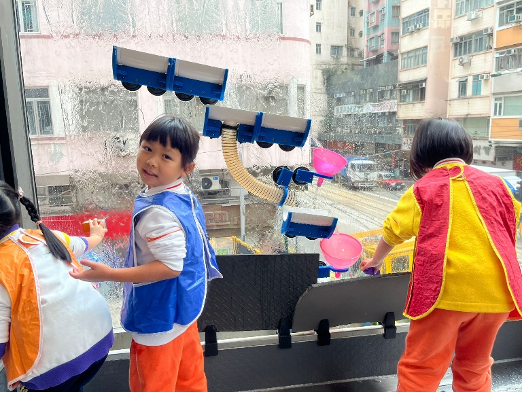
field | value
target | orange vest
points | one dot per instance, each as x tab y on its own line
433	194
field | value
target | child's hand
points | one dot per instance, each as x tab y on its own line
97	228
368	263
97	272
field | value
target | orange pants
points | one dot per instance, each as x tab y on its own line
431	343
174	367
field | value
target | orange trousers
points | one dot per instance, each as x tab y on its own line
431	343
174	367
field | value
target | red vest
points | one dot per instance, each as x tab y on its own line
495	205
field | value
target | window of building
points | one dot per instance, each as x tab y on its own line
396	11
409	129
336	51
382	14
395	37
384	94
498	106
413	93
465	6
463	87
317	49
38	111
54	195
471	43
352	11
352	32
361	12
505	11
279	17
371	19
382	40
318	27
414	58
416	21
360	33
510	59
508	106
27	16
476	88
318	5
373	43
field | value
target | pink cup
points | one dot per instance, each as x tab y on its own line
327	162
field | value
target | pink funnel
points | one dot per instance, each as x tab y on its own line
327	162
341	250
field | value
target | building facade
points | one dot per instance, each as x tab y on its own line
381	31
423	69
336	37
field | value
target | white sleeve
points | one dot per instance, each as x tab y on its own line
5	314
165	237
78	245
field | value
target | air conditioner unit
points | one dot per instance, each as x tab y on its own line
487	31
419	26
410	29
422	84
211	183
472	15
484	76
516	51
464	60
515	18
455	40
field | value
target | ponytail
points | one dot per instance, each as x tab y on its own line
56	247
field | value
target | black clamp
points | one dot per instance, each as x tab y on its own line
323	333
211	345
284	328
390	330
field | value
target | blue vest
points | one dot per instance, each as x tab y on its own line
156	307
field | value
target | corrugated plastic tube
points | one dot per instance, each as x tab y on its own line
245	179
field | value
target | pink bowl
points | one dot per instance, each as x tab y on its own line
341	250
327	162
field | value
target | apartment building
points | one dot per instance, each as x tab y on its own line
471	62
506	105
381	31
362	103
423	79
336	37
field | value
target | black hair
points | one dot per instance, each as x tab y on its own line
176	132
10	214
436	140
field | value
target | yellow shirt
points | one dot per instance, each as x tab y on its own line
474	278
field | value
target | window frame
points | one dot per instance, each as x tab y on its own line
33	103
317	49
318	5
318	26
463	88
20	16
476	86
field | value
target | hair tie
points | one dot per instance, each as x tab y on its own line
20	193
38	223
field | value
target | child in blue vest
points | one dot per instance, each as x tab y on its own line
466	280
168	264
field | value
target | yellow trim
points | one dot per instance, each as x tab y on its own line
494	248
